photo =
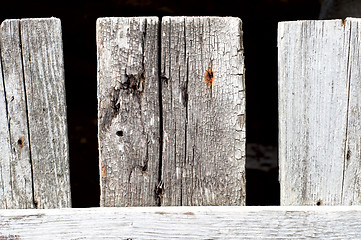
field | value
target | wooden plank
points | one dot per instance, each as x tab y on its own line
43	62
16	168
319	122
203	102
37	172
183	223
5	149
352	167
128	110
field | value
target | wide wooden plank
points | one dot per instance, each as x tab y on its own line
319	111
128	110
42	50
183	223
203	103
36	174
16	179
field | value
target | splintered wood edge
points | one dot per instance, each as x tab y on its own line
183	222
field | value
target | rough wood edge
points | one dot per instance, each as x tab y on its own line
183	222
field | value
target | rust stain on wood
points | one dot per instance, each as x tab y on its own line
21	142
188	213
209	76
103	171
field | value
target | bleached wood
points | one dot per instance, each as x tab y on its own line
5	149
203	156
16	168
36	174
42	50
128	110
183	223
351	194
319	112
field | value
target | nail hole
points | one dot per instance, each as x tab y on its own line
319	203
21	142
119	133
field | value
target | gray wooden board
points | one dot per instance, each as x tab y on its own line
319	112
183	223
128	110
33	80
203	154
16	168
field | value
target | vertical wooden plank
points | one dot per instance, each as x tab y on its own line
5	150
352	166
43	62
128	110
16	168
319	112
203	102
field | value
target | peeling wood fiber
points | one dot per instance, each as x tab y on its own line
171	111
203	102
128	110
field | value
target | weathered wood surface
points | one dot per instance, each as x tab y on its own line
128	110
198	111
183	223
203	100
319	112
16	174
35	163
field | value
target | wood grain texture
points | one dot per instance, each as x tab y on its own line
183	223
16	168
128	110
203	154
33	76
319	109
351	194
42	50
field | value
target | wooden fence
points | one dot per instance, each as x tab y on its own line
171	115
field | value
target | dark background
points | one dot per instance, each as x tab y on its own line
260	18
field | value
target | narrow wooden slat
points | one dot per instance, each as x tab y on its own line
42	51
37	172
203	104
128	110
16	168
5	149
183	223
351	194
319	112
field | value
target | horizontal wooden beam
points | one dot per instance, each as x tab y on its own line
183	223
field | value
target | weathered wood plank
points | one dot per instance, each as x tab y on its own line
203	102
37	172
319	112
352	167
42	50
16	168
183	223
5	149
128	110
